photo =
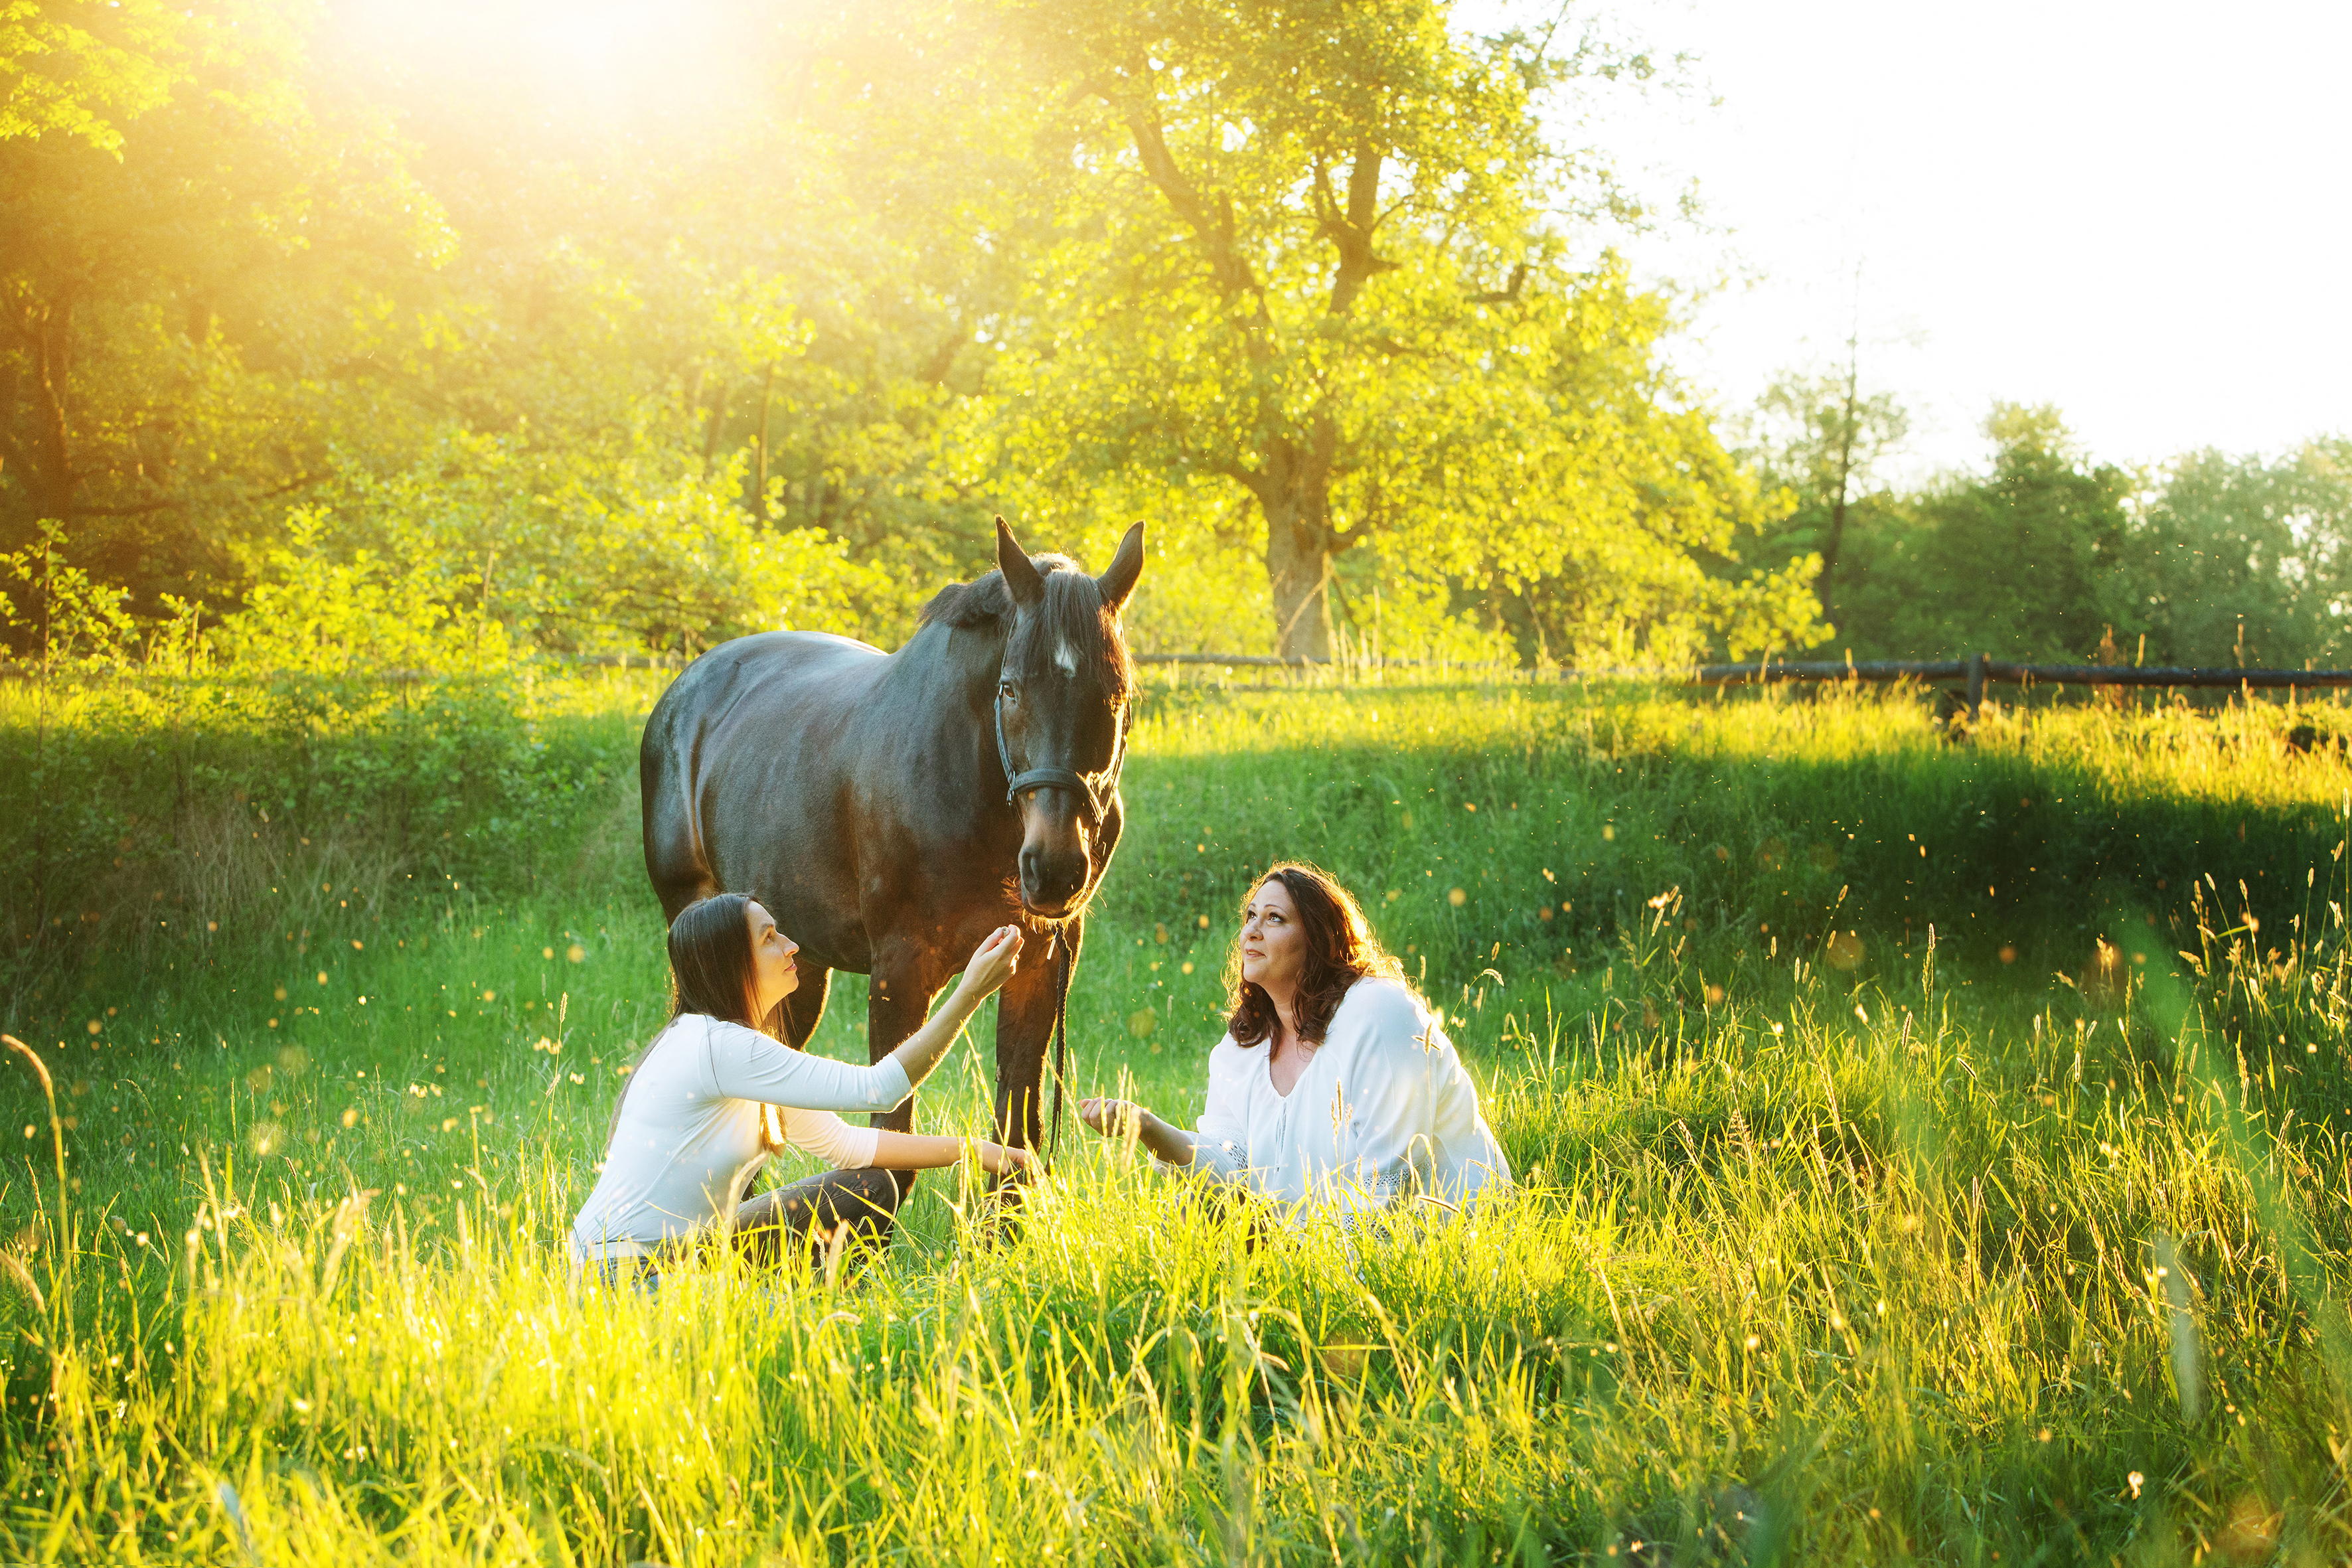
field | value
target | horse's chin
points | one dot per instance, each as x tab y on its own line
1047	917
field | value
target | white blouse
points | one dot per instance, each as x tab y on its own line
1382	1111
691	1129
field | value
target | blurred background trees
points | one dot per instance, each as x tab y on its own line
603	329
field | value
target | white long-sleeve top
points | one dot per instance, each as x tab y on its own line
690	1135
1382	1111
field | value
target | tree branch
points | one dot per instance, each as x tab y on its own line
1213	230
1508	295
144	509
1351	230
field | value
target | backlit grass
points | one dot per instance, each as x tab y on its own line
1832	1248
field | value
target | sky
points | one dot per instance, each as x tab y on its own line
2136	211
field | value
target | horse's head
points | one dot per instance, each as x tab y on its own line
1060	703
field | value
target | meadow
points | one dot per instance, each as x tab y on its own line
1931	1149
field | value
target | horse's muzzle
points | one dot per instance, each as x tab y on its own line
1053	877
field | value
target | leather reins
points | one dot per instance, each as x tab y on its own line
1091	803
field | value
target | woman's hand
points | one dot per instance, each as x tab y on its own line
991	966
1111	1118
1132	1123
1001	1160
993	963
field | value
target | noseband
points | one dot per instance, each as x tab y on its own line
1091	800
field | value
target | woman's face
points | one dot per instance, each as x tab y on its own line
771	957
1273	945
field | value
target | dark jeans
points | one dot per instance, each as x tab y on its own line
816	1217
813	1219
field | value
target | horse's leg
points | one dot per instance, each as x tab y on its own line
865	1201
1025	1029
907	975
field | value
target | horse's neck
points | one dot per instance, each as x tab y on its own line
940	681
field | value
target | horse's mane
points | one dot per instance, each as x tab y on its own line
1073	615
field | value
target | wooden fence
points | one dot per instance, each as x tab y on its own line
1977	669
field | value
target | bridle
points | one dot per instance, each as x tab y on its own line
1092	802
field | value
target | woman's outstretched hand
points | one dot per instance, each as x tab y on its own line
1132	1123
993	962
991	966
1111	1118
1003	1160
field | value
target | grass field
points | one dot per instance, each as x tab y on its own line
2028	1243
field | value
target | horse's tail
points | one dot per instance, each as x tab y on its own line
677	862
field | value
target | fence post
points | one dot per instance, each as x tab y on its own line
1976	684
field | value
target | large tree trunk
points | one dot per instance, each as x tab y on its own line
1298	569
1294	490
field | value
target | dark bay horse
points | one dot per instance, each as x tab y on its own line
890	810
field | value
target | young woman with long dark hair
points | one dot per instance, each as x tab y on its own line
1335	1084
717	1093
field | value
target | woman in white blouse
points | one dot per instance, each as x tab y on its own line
715	1095
1335	1086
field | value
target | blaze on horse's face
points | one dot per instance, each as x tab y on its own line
1062	694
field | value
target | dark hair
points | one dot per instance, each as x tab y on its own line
710	968
1340	951
1073	615
710	972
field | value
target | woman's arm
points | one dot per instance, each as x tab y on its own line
1218	1148
913	1152
748	1065
847	1148
991	966
1125	1119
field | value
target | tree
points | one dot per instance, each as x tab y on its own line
2025	563
752	282
1822	439
1309	247
180	295
2247	559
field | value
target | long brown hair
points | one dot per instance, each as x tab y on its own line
710	972
710	968
1340	951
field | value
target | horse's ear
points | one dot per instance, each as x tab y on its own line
1027	585
1125	567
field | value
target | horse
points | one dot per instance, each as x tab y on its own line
889	810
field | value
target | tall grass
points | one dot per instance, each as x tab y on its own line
1829	1250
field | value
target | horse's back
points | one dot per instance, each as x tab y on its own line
756	724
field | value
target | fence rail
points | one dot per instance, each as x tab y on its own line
1978	670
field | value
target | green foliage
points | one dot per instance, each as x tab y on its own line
2024	563
1823	441
2211	562
189	314
1674	1335
66	620
1306	250
75	70
2243	560
137	807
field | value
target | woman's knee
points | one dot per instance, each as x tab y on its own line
860	1204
